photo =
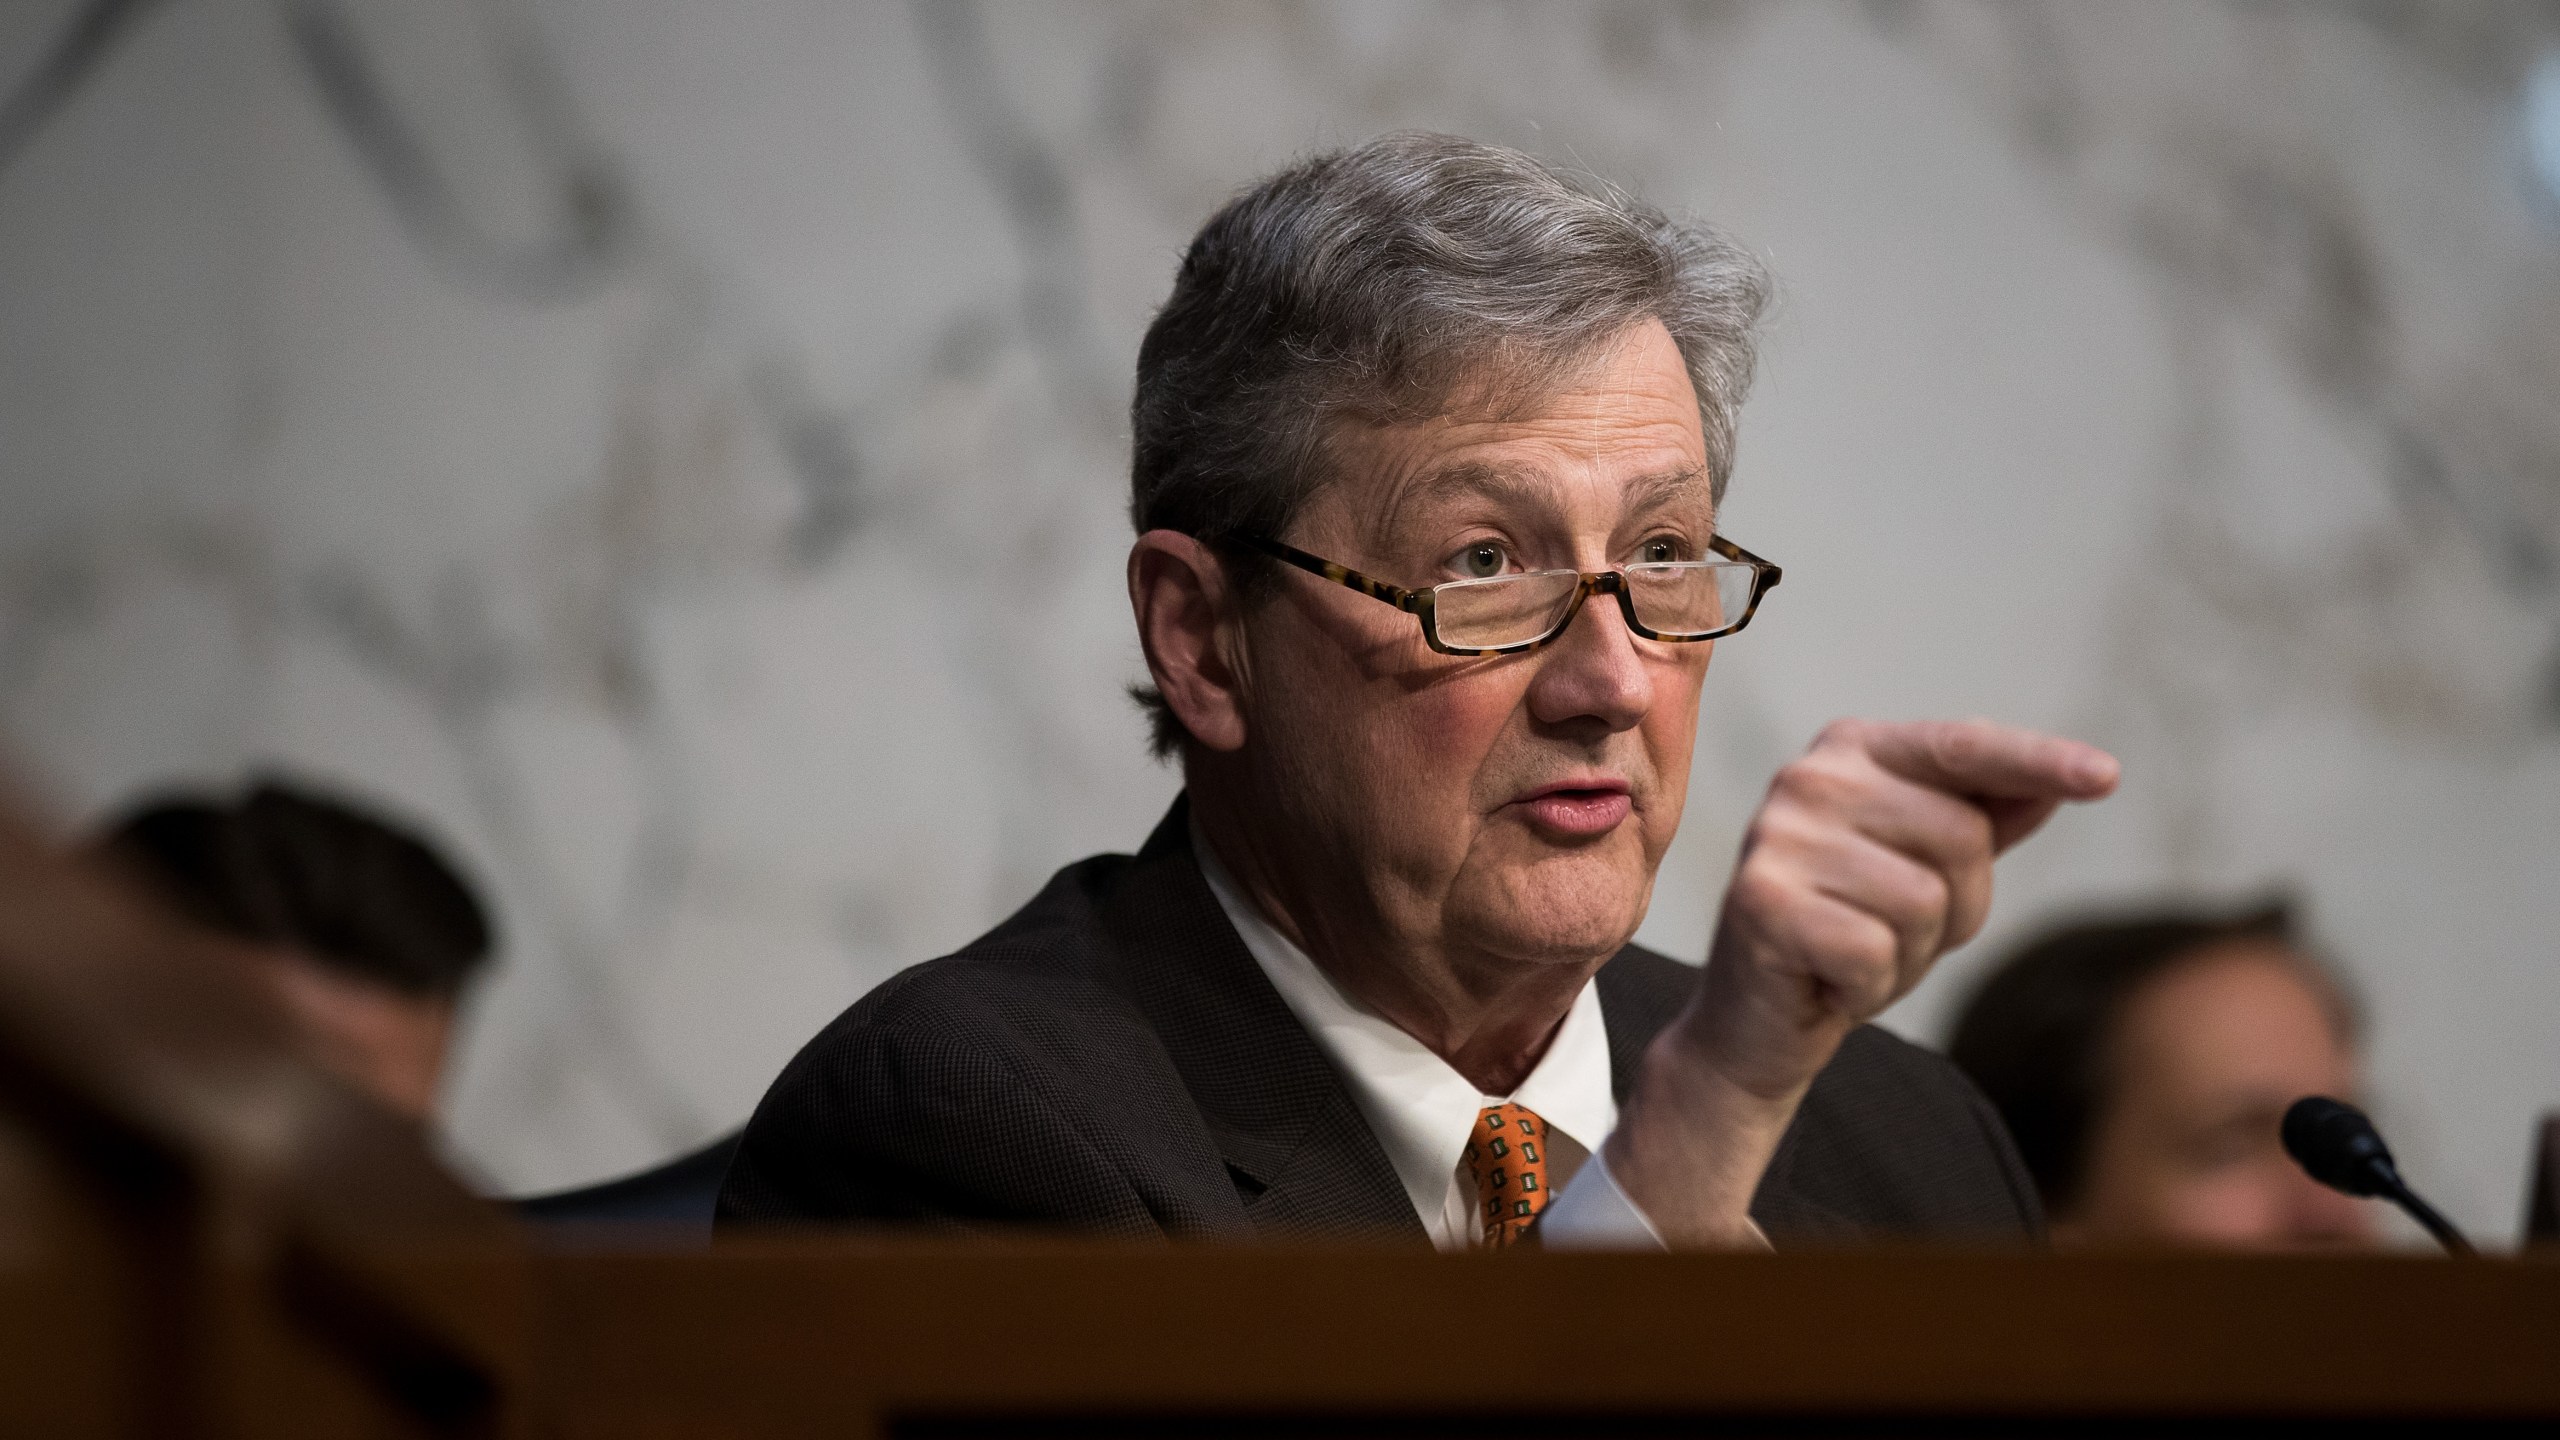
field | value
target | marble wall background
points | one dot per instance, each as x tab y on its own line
676	450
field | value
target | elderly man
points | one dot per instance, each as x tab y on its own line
1429	442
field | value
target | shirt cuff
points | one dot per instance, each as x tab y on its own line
1592	1213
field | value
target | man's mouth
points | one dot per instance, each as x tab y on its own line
1578	809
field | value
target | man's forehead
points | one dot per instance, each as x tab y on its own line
1530	489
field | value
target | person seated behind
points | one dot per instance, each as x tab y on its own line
2144	1064
366	933
1372	973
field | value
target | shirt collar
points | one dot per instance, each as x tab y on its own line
1421	1109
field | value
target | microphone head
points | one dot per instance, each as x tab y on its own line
2334	1142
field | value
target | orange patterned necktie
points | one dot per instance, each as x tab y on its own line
1507	1155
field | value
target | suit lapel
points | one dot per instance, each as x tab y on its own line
1636	1000
1301	1155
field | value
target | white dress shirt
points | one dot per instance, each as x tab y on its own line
1422	1110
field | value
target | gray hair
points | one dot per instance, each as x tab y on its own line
1378	283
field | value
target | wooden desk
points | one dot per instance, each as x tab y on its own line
831	1337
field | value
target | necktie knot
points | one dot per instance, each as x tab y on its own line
1507	1156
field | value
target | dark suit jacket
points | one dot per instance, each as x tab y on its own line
1112	1059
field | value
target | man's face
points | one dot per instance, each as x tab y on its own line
2205	1059
1514	806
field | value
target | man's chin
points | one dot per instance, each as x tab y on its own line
1564	908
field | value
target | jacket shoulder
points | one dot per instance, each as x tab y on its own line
1893	1139
1013	1081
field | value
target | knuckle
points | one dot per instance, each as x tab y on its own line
1790	786
1768	827
1926	897
1818	781
1874	954
1961	748
1843	733
1758	887
1975	835
1798	832
1973	892
1968	907
1775	834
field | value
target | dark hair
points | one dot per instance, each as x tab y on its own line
288	866
1381	282
2036	1035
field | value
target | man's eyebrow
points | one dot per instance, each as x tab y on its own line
1463	480
1474	478
1527	488
1669	487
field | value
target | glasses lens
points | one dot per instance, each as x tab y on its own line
1506	610
1691	599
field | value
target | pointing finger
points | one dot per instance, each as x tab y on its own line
1983	761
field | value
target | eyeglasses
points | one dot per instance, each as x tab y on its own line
1676	600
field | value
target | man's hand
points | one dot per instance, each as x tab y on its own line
1869	859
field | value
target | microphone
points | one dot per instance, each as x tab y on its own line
2336	1145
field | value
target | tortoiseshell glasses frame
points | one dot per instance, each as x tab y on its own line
1425	604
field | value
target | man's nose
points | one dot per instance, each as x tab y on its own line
1593	671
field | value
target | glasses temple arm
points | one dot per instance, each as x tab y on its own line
1344	575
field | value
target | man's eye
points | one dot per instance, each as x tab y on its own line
1660	550
1481	561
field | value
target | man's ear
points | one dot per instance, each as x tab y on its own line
1187	621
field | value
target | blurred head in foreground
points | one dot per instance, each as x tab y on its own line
2143	1065
367	934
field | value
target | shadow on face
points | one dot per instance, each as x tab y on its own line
2203	1059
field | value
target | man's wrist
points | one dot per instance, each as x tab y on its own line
1691	1145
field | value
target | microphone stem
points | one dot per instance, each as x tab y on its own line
2425	1214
